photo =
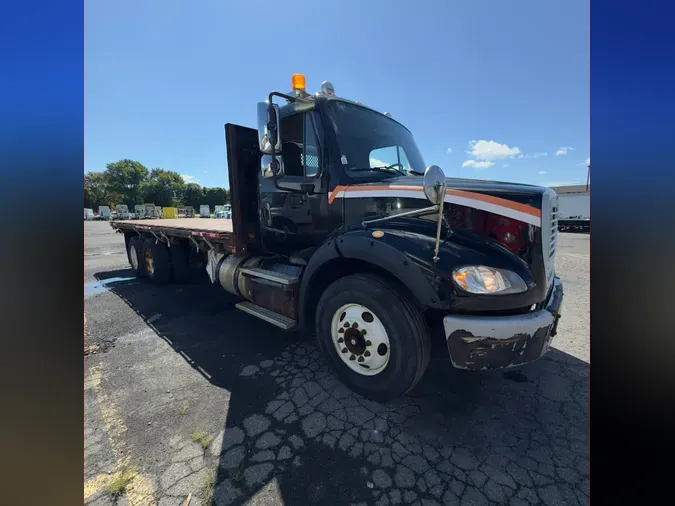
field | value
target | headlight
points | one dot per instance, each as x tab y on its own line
487	280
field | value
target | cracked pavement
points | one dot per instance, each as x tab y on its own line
279	428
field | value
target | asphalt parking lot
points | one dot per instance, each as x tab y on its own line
184	394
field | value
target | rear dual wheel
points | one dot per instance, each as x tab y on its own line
375	338
135	253
157	261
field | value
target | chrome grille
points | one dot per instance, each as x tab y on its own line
549	234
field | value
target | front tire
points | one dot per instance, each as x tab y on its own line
374	337
179	254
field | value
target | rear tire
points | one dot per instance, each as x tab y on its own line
406	337
180	262
157	261
135	254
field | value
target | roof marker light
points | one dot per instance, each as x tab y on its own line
327	88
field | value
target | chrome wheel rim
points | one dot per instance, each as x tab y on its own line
360	339
149	262
133	254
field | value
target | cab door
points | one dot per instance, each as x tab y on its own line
291	217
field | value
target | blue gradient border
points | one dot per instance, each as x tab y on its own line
633	259
41	194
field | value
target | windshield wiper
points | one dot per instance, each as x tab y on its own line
384	167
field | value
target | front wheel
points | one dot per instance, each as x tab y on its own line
374	337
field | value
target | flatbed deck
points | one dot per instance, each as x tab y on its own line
216	230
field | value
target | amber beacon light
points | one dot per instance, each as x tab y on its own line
298	82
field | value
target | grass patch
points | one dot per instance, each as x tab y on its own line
182	411
120	481
207	488
205	442
201	438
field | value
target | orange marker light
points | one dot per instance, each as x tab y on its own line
298	82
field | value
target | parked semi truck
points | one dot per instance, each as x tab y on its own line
384	250
122	212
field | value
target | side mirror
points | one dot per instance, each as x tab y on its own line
267	162
434	184
269	131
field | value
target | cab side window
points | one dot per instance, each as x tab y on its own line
300	152
310	158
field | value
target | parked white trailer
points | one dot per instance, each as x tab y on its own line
574	207
88	214
104	212
204	211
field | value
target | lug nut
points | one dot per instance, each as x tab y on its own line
367	353
352	357
361	359
341	340
344	350
368	343
355	325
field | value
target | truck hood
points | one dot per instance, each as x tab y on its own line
521	202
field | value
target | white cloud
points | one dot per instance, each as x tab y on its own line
543	172
476	164
533	155
491	150
563	151
448	150
507	165
188	178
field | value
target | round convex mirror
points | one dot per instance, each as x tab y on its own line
434	179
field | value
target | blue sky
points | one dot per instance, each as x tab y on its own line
490	89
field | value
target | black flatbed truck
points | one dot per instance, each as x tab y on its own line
339	228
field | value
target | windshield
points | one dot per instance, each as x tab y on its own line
371	143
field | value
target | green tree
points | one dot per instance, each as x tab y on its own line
125	178
193	195
95	190
164	188
215	197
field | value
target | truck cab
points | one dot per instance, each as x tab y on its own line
122	212
337	191
104	212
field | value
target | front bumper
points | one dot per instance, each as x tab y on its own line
499	342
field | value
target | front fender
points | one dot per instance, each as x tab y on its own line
394	253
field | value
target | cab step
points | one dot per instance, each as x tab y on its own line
277	277
277	319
